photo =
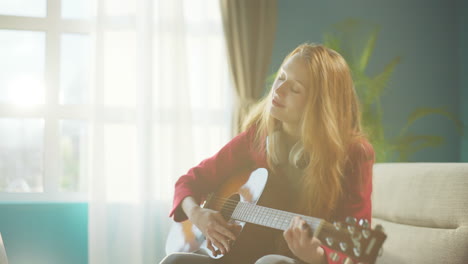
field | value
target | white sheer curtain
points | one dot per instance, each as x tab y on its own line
161	102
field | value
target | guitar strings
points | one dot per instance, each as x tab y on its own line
327	228
231	205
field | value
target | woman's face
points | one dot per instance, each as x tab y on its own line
290	90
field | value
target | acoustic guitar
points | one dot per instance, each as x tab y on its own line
246	199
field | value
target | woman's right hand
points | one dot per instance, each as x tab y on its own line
215	228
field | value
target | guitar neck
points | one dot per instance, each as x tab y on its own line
269	217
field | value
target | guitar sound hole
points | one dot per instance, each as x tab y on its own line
229	206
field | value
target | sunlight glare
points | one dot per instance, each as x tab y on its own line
25	91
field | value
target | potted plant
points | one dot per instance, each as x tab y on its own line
355	41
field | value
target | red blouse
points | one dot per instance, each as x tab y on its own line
239	154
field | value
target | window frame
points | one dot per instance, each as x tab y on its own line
52	111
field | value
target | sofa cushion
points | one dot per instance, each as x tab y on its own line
423	208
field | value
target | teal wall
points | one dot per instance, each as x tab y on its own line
45	233
463	73
423	32
57	233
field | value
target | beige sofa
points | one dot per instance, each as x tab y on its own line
423	208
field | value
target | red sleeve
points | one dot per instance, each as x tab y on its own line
210	173
357	191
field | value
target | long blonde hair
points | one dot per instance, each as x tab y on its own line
329	126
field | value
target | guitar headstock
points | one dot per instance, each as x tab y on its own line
354	238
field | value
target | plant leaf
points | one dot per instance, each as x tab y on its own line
421	112
348	25
378	84
368	50
332	42
269	82
409	144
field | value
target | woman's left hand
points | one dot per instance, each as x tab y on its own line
301	242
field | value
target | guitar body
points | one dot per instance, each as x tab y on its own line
253	241
260	203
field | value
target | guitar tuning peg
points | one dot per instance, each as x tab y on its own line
356	237
351	229
357	251
350	220
337	225
366	233
329	241
348	261
343	246
364	223
334	256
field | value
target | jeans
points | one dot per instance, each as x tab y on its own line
193	258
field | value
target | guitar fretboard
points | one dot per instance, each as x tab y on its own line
269	217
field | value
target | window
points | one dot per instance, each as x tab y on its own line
44	89
57	80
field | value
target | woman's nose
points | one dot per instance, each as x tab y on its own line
280	89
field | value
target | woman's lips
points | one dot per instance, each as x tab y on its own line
275	103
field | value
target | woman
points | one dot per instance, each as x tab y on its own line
308	131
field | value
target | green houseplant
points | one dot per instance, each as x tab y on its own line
356	40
